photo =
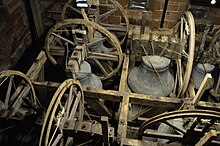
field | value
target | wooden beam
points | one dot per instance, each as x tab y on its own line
134	142
105	132
99	107
202	88
112	95
209	105
35	9
123	119
124	75
157	101
37	66
103	94
192	93
140	99
207	138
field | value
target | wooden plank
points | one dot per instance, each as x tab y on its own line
37	66
36	14
99	107
103	94
134	142
202	88
124	75
118	96
132	116
207	138
192	93
123	118
105	132
157	101
112	95
209	105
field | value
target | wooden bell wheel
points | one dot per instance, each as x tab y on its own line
199	121
102	18
186	34
17	94
65	108
212	54
61	41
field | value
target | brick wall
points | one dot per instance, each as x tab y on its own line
15	34
174	9
214	16
51	11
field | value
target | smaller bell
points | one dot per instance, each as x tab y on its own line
98	47
152	77
87	78
199	72
164	128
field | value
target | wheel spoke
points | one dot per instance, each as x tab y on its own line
57	51
74	9
187	114
179	73
101	67
57	114
107	14
4	80
184	54
181	30
107	66
75	105
58	138
23	94
69	101
97	42
102	56
175	127
105	55
59	118
172	137
8	91
64	39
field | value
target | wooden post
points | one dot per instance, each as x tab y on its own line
202	88
207	138
124	75
105	132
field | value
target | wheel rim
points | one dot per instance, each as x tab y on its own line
184	79
16	93
115	56
163	118
115	4
75	100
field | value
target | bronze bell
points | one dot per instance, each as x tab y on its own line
199	72
152	76
87	78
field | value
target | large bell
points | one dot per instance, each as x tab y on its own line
87	78
152	76
199	72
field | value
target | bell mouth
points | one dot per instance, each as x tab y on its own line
203	68
85	70
97	36
158	63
